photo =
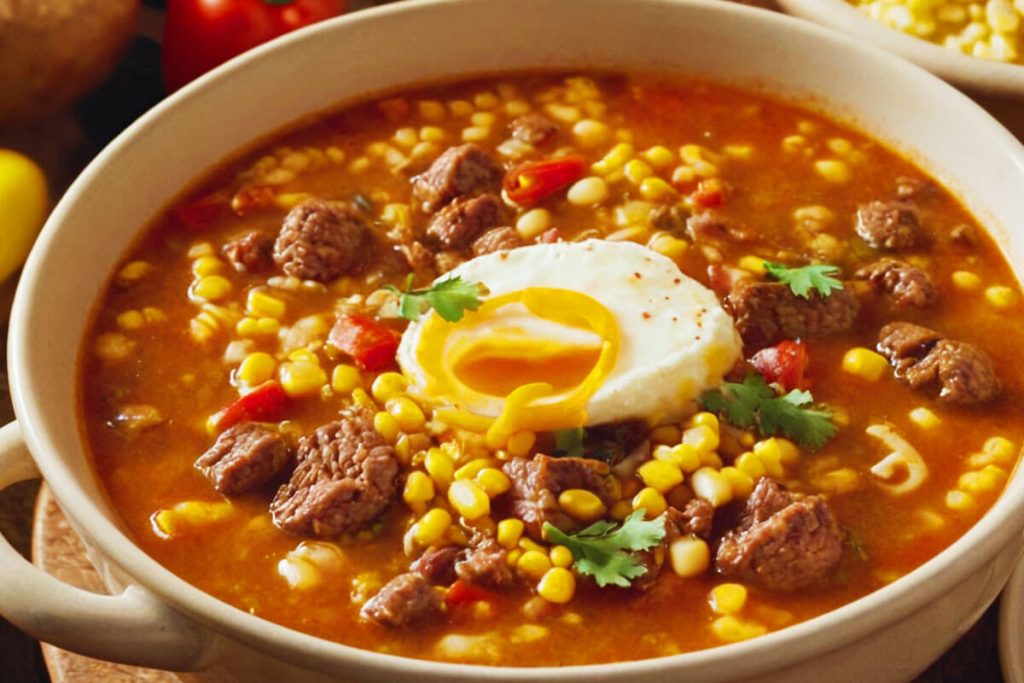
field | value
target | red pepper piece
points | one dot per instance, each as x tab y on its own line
533	181
462	593
371	344
262	403
200	213
709	194
784	363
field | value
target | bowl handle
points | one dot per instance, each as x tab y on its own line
131	628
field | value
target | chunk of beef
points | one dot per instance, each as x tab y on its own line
320	241
614	441
784	541
438	564
463	170
447	260
668	218
244	457
908	187
497	239
417	255
961	373
908	285
252	252
964	235
405	599
533	128
485	563
537	482
344	478
766	312
695	518
709	226
458	224
888	225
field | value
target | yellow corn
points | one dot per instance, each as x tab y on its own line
710	485
557	585
751	465
1001	297
966	280
560	556
440	465
621	510
689	556
134	270
512	556
386	426
170	522
529	544
702	437
752	264
684	456
865	363
666	435
833	170
301	378
659	156
960	501
731	629
742	152
207	265
469	499
534	563
432	526
1000	448
981	482
660	475
581	504
651	501
615	159
493	481
256	368
419	488
667	245
924	418
509	532
388	385
261	305
407	414
588	191
590	133
211	288
637	170
473	467
742	483
706	419
520	444
728	598
131	320
345	378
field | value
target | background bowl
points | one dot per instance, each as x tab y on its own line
162	621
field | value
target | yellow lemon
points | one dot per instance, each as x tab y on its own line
23	205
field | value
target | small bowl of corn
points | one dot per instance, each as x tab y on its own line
977	45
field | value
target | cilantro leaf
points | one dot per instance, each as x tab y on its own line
754	403
802	280
600	550
569	442
450	297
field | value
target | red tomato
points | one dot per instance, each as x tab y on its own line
784	363
709	193
533	181
462	593
201	34
199	213
262	403
371	344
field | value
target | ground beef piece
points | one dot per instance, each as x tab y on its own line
320	241
244	457
497	239
344	478
417	255
695	518
485	563
766	312
537	482
438	564
784	541
909	286
960	372
908	187
709	226
447	260
458	224
533	128
459	171
405	599
888	225
251	252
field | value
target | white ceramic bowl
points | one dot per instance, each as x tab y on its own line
156	619
978	76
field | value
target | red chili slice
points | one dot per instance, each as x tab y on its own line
784	363
372	345
533	181
262	403
462	593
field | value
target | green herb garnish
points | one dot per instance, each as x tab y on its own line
569	442
450	297
802	280
601	550
754	403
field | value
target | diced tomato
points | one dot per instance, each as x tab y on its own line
251	198
262	403
709	193
371	344
533	181
200	213
462	593
784	363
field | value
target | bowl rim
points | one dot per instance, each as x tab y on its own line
972	73
848	623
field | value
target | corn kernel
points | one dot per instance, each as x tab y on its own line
262	305
512	556
620	510
1000	297
683	175
656	189
345	378
751	465
473	467
651	501
659	156
386	425
742	152
486	100
460	108
361	398
752	264
1000	448
560	556
742	483
388	385
615	159
865	363
728	598
440	465
701	437
173	521
509	532
689	556
532	223
493	481
407	414
469	499
710	485
833	170
534	563
667	245
966	280
529	544
256	368
982	481
419	488
131	320
210	288
207	265
731	629
134	270
637	170
301	378
960	501
588	191
684	456
590	133
581	504
563	113
431	110
924	418
557	585
665	435
520	444
660	475
432	526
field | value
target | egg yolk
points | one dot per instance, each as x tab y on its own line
542	382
